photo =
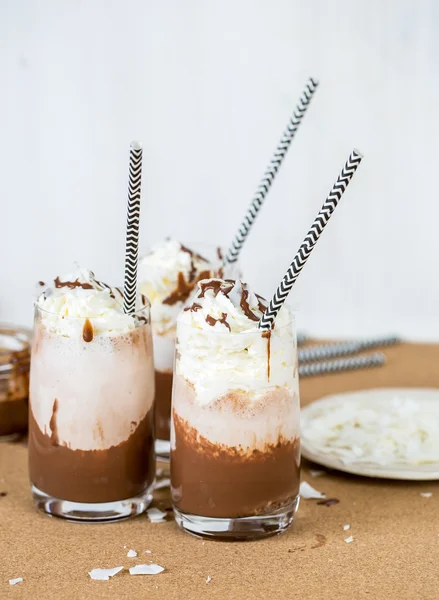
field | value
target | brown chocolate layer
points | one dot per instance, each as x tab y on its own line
13	416
213	480
118	473
163	396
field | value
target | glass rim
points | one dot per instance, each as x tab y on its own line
145	301
212	331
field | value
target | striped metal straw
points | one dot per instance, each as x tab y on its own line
324	351
270	173
308	244
343	364
132	235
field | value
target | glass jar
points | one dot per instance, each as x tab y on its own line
14	380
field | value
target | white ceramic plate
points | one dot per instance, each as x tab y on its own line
424	472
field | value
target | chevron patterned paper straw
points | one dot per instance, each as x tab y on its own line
324	351
270	173
310	241
133	220
344	364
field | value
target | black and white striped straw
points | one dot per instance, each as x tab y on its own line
324	351
310	241
270	173
132	236
342	364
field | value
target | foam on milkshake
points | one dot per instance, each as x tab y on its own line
167	275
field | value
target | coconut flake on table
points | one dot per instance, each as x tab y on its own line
104	574
163	483
156	515
131	554
346	527
400	431
146	570
426	494
15	581
148	552
349	539
308	492
208	579
316	473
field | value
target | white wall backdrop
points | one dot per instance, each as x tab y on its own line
208	86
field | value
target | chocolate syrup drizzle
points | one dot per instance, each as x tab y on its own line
87	331
267	334
246	306
72	284
54	440
212	322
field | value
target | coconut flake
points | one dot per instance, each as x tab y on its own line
426	494
155	515
148	552
132	554
163	483
208	579
307	491
316	473
104	574
349	539
346	527
146	570
15	581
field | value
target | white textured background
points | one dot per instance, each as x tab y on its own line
208	86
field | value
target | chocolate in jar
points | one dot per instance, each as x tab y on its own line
14	380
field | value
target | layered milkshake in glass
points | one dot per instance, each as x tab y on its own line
235	416
168	275
91	447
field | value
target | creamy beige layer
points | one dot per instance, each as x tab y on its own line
103	389
239	419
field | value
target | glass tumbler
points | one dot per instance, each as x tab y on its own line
91	445
235	451
164	337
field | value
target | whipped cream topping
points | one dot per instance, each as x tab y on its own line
220	348
168	276
79	296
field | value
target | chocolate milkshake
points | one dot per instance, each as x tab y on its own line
235	416
91	448
168	275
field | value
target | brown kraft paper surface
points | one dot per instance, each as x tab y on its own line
394	554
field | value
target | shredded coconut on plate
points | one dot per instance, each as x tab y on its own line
375	427
349	539
15	581
307	491
208	579
346	527
132	554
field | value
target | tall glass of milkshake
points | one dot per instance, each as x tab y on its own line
168	275
235	416
91	447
